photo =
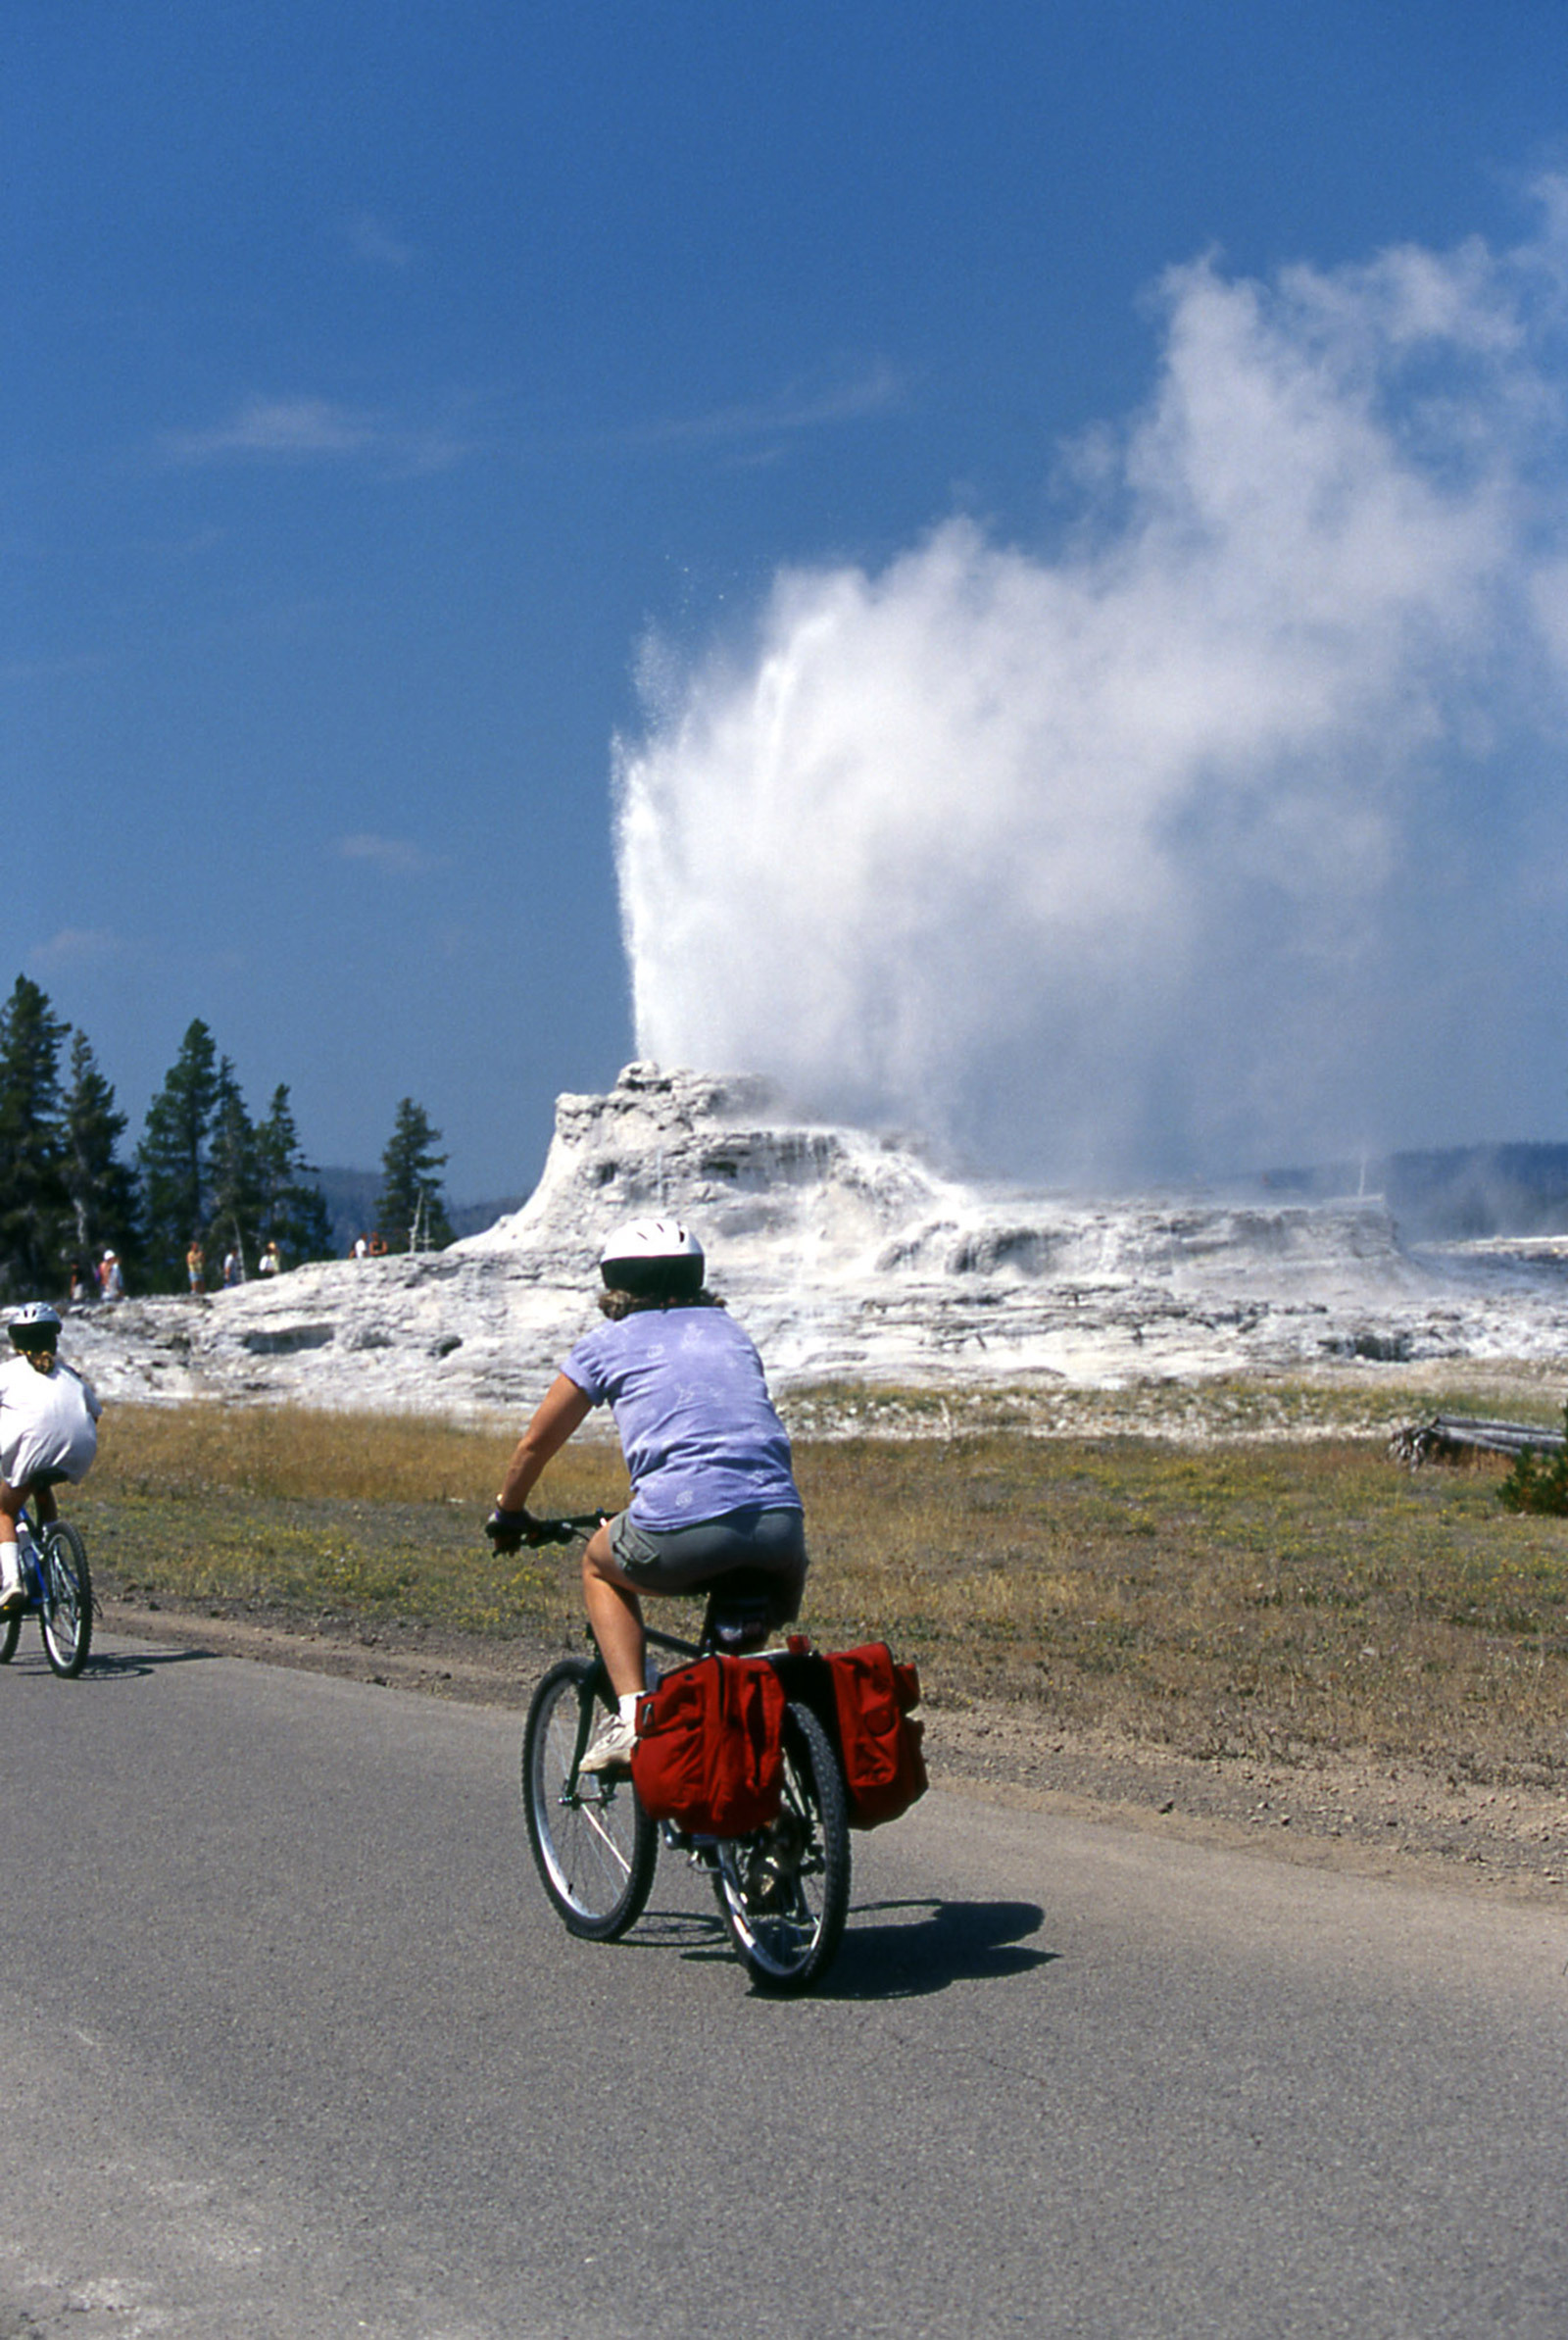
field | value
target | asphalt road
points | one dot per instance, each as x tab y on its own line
290	2044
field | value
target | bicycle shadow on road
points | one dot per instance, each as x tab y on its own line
908	1949
117	1665
918	1947
121	1662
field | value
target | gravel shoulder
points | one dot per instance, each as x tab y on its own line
1383	1818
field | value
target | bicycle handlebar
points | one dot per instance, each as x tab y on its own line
561	1531
510	1531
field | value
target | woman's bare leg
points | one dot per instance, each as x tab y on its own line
615	1614
12	1500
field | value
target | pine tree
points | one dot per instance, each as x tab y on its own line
293	1209
34	1208
175	1158
100	1187
235	1207
412	1208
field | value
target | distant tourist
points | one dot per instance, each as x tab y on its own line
362	1247
196	1270
84	1282
234	1271
111	1282
271	1261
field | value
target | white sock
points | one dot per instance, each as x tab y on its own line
10	1568
628	1707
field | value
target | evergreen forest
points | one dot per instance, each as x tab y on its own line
205	1172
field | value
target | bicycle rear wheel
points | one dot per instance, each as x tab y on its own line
10	1634
66	1617
784	1893
594	1844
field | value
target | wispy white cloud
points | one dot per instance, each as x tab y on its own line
305	429
75	946
393	857
370	239
289	427
800	407
316	429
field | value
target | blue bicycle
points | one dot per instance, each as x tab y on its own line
59	1588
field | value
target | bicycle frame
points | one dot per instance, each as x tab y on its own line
782	1889
598	1683
29	1558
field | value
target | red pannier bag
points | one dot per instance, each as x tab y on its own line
709	1752
884	1768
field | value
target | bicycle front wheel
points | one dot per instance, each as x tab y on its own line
785	1892
67	1617
594	1844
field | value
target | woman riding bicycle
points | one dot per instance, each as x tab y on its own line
48	1431
708	1457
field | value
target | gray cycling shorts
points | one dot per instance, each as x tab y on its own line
682	1559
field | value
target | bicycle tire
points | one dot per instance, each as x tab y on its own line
9	1635
66	1619
593	1844
784	1893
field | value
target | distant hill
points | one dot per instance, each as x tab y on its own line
351	1196
1454	1192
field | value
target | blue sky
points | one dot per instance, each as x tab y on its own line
379	379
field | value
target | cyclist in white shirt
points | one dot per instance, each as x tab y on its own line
48	1431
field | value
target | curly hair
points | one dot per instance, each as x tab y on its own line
617	1305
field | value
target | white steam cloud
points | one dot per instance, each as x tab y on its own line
1231	828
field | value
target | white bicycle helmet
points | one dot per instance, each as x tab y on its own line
35	1325
652	1259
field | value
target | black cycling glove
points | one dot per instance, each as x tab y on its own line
508	1530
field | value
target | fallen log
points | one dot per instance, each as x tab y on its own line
1447	1437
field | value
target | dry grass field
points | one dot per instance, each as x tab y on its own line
1277	1600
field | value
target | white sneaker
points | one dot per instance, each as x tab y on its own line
14	1596
609	1749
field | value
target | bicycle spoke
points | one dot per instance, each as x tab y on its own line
594	1845
595	1826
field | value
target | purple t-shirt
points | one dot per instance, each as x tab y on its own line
696	1425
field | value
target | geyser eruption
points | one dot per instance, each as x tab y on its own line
1159	851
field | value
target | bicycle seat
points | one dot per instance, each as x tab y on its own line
743	1609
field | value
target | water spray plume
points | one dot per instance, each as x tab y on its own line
1152	854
